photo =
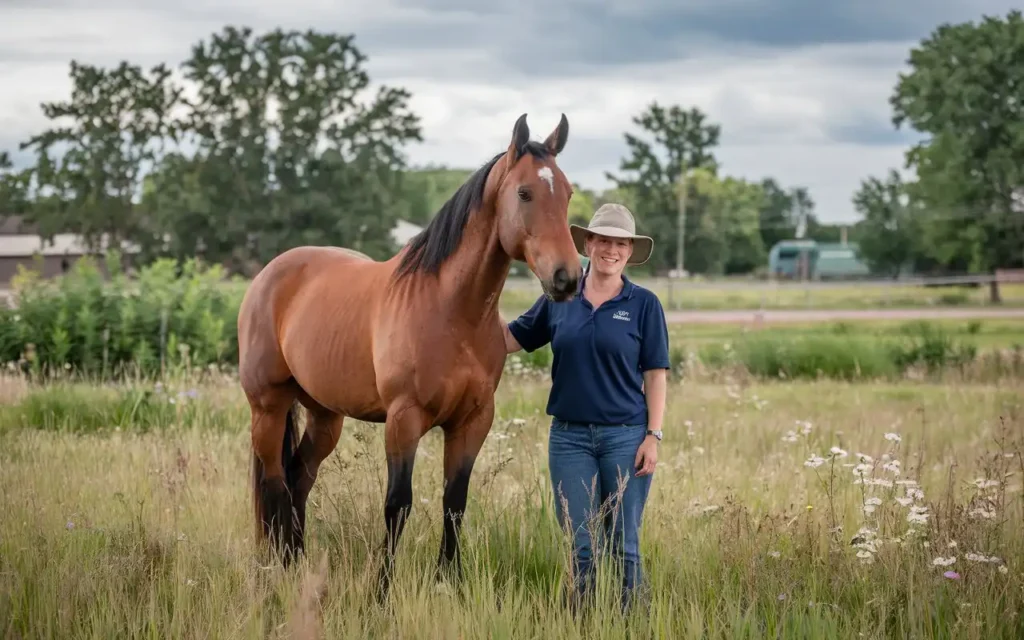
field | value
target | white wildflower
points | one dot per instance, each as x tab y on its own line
790	437
863	457
837	452
906	502
814	461
943	562
983	483
774	554
985	514
893	437
1003	569
861	470
893	467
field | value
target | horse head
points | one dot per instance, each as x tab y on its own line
532	207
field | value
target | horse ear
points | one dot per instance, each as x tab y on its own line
556	141
520	136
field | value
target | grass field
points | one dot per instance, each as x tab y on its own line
126	515
520	293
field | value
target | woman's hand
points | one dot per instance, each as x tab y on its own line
646	456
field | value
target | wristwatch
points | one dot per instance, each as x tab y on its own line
656	434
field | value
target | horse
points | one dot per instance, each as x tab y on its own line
412	342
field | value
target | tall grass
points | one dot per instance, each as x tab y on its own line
805	509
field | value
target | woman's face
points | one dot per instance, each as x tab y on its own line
608	256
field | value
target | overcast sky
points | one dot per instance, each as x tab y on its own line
800	87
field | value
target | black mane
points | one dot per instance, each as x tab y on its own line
429	249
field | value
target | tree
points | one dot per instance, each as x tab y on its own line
678	139
965	89
14	188
88	171
287	154
888	235
729	234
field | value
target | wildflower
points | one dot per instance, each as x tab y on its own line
983	483
805	427
774	554
893	467
790	436
861	470
952	575
1003	569
893	437
518	422
871	504
814	461
984	514
943	562
837	452
866	556
915	493
917	515
977	557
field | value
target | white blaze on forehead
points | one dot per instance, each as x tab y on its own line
546	175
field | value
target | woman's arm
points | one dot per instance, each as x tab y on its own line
655	390
511	345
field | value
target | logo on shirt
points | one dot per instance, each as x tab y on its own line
621	314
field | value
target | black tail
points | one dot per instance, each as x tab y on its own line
272	503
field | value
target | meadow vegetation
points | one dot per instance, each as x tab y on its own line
798	508
842	480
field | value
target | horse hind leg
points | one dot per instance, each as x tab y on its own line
274	442
318	441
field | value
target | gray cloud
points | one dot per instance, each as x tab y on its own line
800	86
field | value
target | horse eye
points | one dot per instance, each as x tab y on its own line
524	194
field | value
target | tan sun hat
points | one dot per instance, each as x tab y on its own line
615	221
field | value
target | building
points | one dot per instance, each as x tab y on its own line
811	260
20	244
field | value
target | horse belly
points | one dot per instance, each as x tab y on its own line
328	351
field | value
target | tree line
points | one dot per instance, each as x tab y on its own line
269	145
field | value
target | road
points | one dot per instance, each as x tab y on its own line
830	315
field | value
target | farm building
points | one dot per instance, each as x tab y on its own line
20	244
810	260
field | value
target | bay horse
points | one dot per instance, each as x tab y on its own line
412	342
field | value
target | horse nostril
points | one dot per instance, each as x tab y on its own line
560	279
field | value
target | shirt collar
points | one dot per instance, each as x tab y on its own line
627	286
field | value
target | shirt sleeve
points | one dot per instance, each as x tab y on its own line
532	330
654	337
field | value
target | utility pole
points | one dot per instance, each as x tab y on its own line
680	233
681	239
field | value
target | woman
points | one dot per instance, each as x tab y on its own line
607	400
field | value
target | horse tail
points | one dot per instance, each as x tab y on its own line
289	444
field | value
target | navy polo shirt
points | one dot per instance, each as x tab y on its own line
599	356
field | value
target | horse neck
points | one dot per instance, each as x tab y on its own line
475	274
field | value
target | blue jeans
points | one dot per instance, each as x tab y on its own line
586	464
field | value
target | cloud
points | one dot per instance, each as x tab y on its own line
800	87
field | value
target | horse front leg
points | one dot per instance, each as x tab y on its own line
462	443
403	429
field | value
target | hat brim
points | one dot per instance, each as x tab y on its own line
643	246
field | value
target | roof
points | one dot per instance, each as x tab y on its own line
25	245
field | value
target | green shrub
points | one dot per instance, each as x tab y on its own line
170	315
